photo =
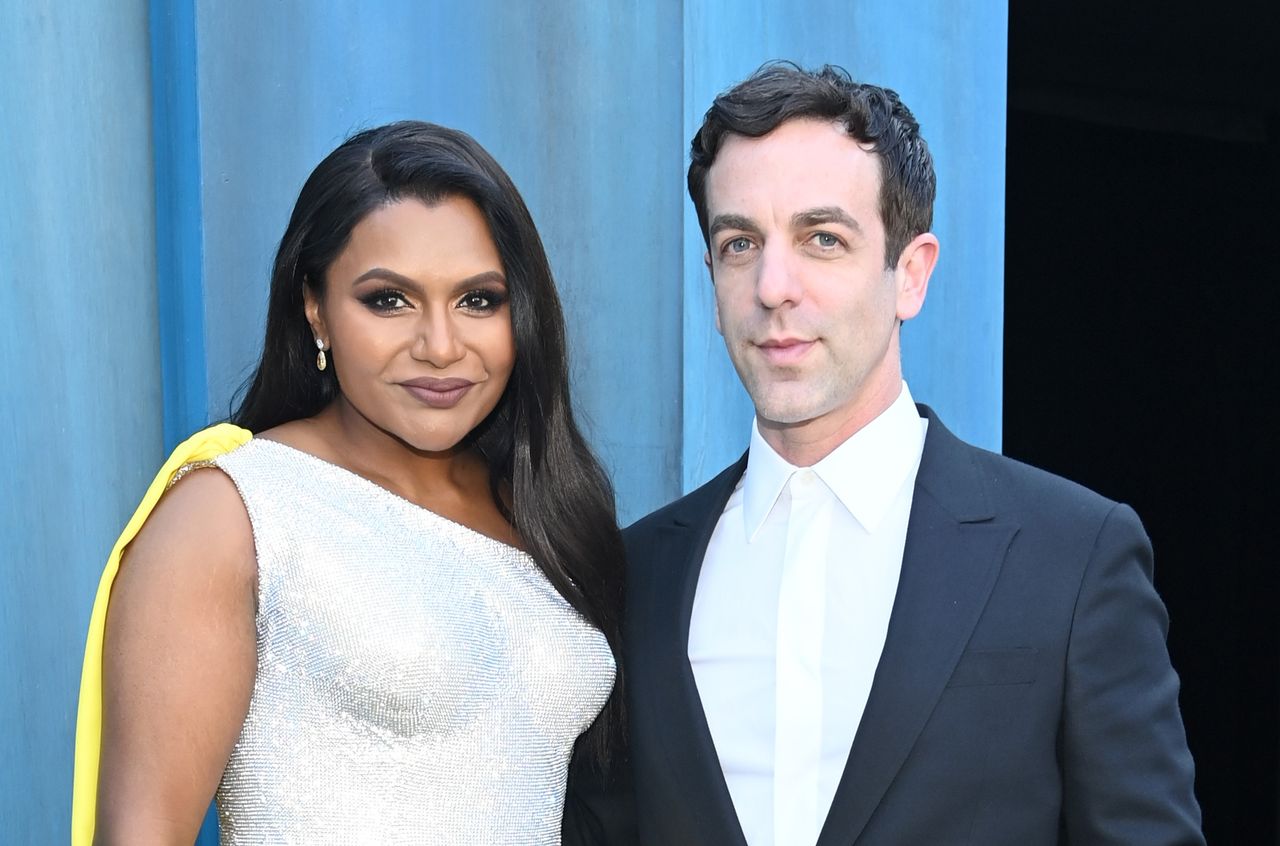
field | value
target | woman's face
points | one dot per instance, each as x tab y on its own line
416	318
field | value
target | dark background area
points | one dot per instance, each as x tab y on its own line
1140	332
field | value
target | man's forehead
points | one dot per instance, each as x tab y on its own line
801	132
803	163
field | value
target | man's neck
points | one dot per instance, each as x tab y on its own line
806	443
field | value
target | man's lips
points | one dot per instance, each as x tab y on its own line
438	393
784	351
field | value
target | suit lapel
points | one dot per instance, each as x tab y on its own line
952	557
683	543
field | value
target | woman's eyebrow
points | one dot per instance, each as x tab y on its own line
387	276
488	277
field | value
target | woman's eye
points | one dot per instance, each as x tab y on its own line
481	300
385	301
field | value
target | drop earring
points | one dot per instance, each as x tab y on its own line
321	361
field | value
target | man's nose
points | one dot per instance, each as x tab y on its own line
437	341
778	283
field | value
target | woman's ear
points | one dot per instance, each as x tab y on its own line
315	317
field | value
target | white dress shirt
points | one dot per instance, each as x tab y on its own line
790	614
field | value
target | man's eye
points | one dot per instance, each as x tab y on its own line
737	245
826	239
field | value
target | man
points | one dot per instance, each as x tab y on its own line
867	631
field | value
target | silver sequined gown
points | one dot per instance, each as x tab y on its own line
417	682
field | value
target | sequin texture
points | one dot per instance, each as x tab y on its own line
417	682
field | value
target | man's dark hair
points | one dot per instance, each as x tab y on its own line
781	91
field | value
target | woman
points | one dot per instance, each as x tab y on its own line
389	615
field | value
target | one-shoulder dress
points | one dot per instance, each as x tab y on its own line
417	682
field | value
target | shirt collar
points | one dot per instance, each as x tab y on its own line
865	472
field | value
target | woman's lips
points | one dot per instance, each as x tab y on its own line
438	393
784	352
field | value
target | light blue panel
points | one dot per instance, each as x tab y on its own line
179	236
947	60
580	101
80	431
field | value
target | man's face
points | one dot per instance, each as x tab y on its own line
806	307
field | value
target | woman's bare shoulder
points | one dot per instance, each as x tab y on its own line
199	530
178	662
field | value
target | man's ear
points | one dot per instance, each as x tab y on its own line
915	266
706	259
311	307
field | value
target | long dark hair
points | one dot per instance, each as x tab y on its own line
561	501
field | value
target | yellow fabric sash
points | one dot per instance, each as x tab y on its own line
202	446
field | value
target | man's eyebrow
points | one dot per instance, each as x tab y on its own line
824	214
732	221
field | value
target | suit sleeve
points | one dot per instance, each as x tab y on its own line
1128	777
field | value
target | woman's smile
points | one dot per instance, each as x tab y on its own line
438	393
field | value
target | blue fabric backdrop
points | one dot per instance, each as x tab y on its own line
149	156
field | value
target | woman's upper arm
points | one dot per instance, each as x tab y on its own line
179	660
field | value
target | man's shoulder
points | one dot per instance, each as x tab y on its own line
1014	485
1051	512
699	504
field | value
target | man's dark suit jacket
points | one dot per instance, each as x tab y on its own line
1024	695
